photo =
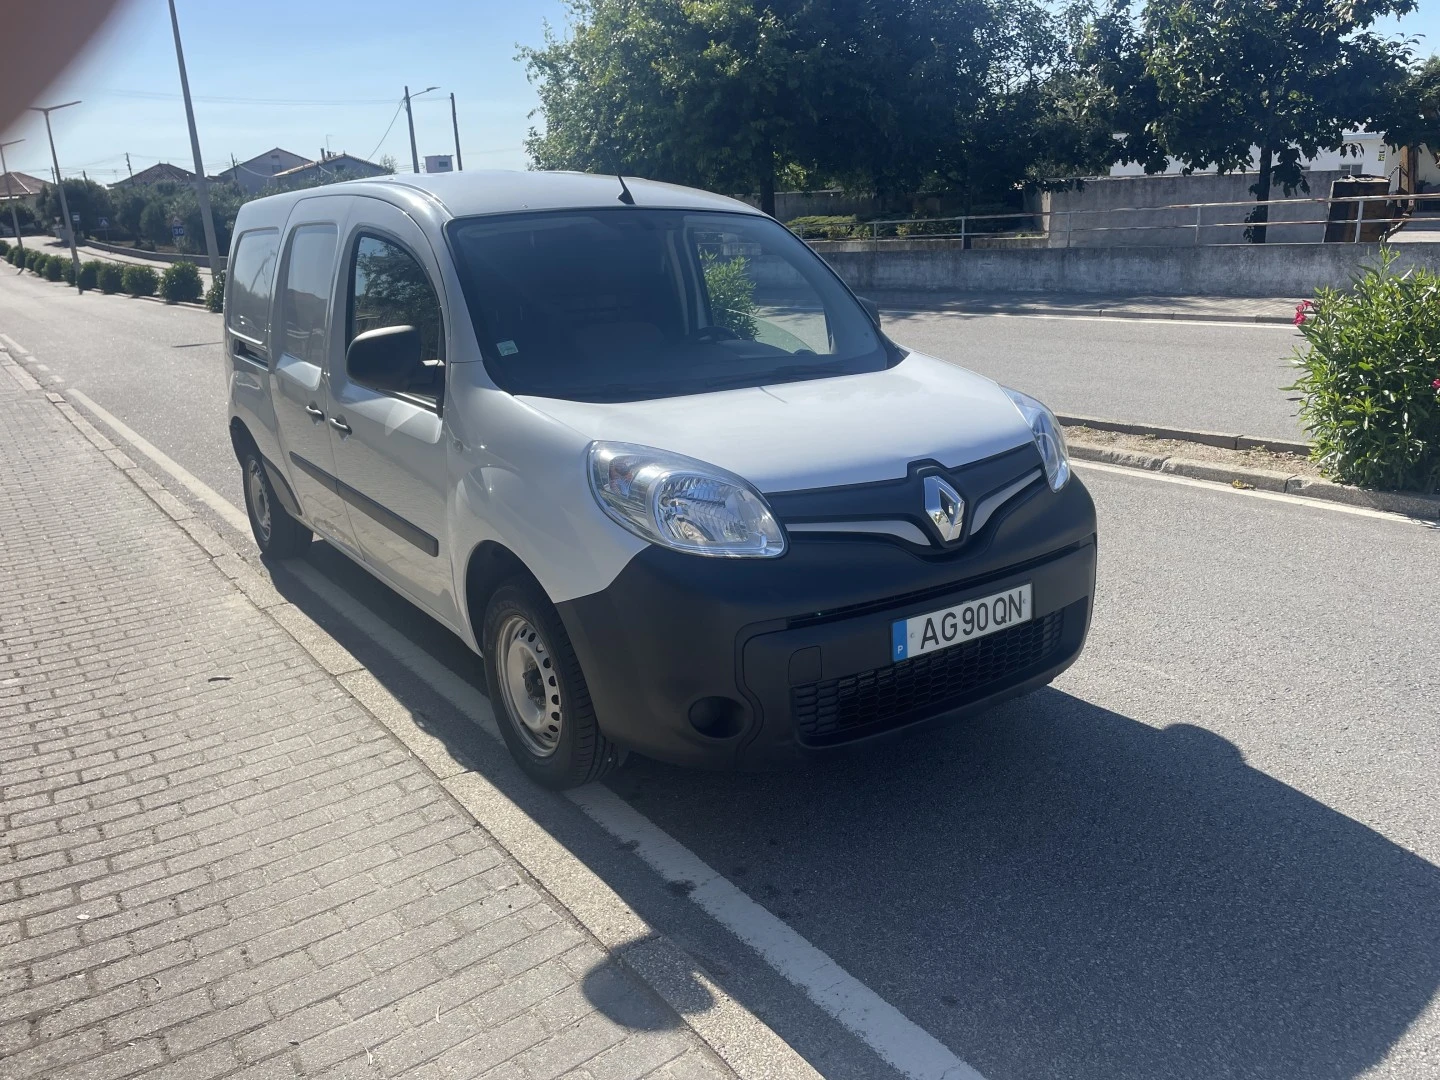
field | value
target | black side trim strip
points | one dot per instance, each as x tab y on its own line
310	469
370	508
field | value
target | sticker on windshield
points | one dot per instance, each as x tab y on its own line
507	348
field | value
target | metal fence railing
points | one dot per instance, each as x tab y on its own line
1346	218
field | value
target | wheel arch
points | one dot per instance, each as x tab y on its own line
489	566
242	440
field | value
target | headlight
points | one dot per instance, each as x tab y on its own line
1049	440
682	503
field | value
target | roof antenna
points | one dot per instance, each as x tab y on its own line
625	196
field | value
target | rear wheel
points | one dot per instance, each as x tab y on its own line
278	534
538	691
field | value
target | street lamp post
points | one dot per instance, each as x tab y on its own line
410	118
10	195
202	188
46	110
455	123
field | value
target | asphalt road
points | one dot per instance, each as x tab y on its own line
1202	376
1209	850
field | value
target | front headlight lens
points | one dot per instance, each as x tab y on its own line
1049	439
682	503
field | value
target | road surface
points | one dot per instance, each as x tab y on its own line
1208	850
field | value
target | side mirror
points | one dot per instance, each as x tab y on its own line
385	359
870	306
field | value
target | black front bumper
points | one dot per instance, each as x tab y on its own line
723	662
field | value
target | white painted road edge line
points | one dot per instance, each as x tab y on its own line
204	492
898	1040
895	1038
1241	323
1272	496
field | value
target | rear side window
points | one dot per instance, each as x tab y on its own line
252	277
309	274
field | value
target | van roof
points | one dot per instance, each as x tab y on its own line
497	191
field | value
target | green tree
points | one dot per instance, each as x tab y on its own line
155	222
1210	82
129	205
1414	119
85	197
733	94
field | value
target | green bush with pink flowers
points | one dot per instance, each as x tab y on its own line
1370	378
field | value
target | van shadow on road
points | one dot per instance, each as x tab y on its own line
1058	890
1052	889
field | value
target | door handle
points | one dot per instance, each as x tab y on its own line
315	414
340	426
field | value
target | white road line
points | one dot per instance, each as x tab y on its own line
895	1038
898	1040
202	491
15	346
1272	496
1095	318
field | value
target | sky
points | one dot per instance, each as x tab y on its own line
299	74
306	74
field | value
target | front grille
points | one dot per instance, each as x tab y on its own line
922	686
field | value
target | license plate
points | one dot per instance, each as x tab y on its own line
964	622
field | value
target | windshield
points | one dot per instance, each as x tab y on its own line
629	303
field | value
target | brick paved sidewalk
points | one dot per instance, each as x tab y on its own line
214	862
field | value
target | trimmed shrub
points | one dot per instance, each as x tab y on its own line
89	274
67	270
13	256
732	294
215	295
139	280
32	260
827	227
110	277
181	283
1370	378
54	268
4	247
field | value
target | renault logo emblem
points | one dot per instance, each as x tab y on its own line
945	508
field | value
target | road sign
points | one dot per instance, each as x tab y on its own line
104	223
177	231
75	218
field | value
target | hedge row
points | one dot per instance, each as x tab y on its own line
180	283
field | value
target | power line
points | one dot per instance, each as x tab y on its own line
150	95
371	156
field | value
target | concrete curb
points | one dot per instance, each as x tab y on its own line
731	1032
1222	439
1414	505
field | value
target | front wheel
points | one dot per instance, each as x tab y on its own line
277	534
538	692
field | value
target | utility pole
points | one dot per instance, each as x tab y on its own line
46	110
128	169
410	117
202	187
455	123
10	197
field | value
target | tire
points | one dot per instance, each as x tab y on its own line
278	535
538	691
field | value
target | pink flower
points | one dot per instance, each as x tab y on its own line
1436	384
1303	311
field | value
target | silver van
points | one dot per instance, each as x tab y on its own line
645	453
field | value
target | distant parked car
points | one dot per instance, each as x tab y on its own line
644	452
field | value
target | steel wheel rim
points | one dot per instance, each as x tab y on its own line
259	498
530	686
